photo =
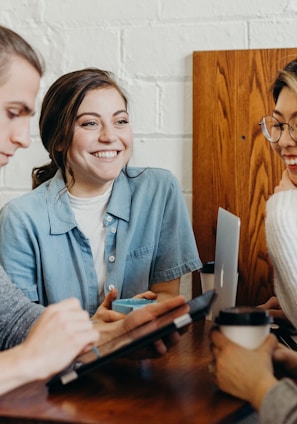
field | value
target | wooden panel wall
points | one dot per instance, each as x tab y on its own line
233	165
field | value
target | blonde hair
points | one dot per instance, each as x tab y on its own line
287	77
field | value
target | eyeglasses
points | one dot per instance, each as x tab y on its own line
272	128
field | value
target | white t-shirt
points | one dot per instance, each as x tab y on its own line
89	215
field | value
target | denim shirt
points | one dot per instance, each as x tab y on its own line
149	239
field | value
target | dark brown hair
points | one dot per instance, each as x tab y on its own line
58	116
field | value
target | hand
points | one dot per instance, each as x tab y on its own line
274	309
62	332
105	312
138	317
149	312
287	359
286	183
247	374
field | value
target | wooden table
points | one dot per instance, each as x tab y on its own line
174	389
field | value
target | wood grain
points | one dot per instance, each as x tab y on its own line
176	388
233	165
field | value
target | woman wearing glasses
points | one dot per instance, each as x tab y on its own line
249	374
280	130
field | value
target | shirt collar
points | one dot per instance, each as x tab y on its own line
120	200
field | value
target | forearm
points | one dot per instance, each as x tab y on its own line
17	313
16	369
166	290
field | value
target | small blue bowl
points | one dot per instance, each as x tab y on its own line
125	306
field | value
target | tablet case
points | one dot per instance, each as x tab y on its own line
137	338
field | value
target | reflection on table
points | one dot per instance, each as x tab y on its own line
176	388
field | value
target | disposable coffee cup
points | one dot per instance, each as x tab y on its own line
244	325
207	276
207	280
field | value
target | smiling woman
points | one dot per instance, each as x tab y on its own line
34	343
283	133
250	374
93	223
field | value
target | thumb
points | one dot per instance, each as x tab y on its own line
109	298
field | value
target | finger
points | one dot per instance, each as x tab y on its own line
278	314
67	304
109	298
160	347
110	315
218	340
271	303
162	307
146	295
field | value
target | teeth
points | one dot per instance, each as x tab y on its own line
292	161
105	154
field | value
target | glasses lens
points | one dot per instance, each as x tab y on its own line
293	128
271	128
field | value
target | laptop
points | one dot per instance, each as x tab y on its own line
226	260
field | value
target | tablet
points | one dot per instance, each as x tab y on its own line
139	337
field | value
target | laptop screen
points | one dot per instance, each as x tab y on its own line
226	260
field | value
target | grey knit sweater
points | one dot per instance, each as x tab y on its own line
280	404
17	313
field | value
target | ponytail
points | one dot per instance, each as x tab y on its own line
43	173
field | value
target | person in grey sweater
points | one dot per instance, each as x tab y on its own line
250	374
36	342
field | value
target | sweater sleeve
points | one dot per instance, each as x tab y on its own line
17	313
280	404
281	237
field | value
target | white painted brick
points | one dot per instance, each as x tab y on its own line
193	9
70	53
142	105
17	173
93	12
145	55
176	108
273	33
172	154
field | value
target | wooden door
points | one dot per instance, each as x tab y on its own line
233	165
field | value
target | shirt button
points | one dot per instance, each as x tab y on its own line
111	258
111	287
113	230
109	218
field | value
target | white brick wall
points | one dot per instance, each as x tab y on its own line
148	44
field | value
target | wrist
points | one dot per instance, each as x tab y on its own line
263	387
